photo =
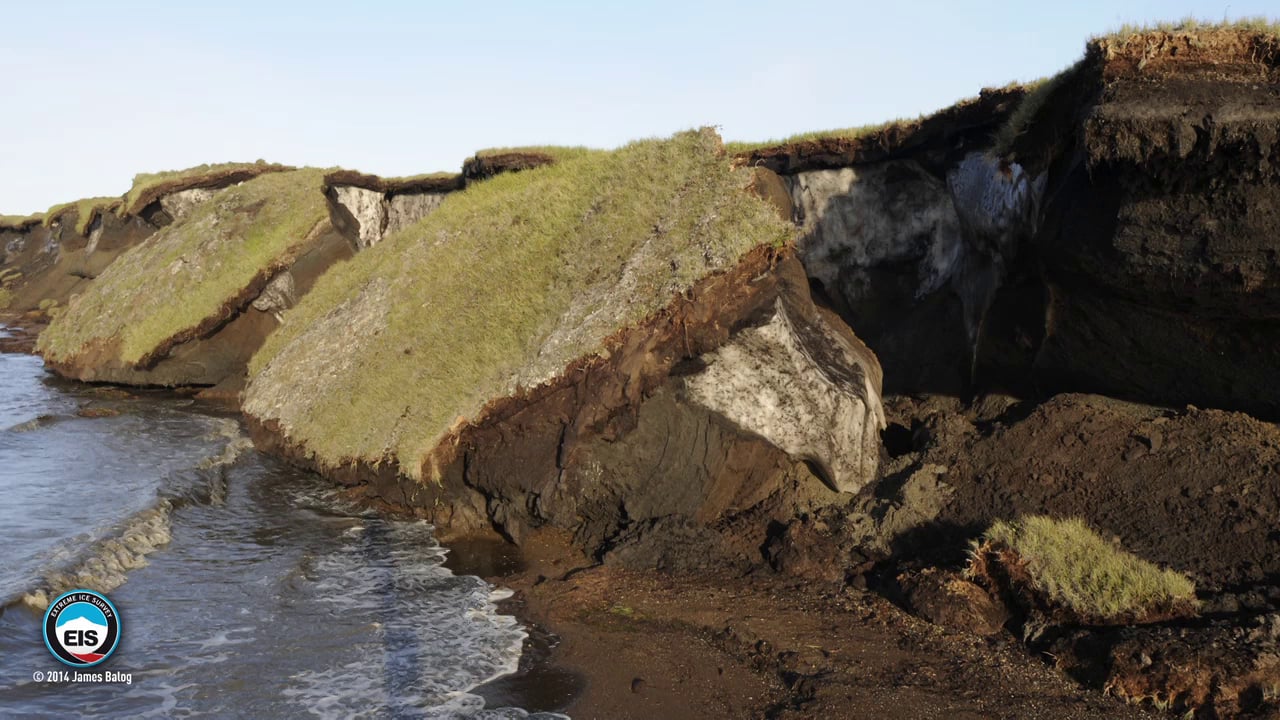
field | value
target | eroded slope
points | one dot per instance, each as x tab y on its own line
500	289
188	279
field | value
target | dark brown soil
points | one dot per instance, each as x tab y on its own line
483	167
1195	490
19	331
947	134
851	631
634	644
441	184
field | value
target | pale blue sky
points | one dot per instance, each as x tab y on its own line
95	92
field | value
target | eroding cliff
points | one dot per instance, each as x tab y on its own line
49	257
621	278
369	208
1158	245
185	306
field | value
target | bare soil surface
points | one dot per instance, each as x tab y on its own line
865	611
725	645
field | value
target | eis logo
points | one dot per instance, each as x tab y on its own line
81	628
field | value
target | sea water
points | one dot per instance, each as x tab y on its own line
245	588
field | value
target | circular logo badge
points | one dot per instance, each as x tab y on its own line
81	628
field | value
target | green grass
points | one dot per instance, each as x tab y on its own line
143	183
86	211
410	179
184	273
15	222
1074	566
1189	24
6	297
556	152
850	133
501	287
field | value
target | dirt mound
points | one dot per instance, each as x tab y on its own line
1189	489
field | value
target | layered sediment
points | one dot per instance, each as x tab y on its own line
829	364
622	351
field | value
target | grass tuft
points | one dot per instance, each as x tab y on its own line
87	210
555	152
1073	566
425	182
20	222
186	272
1191	24
850	133
500	288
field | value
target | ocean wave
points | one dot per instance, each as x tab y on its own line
105	564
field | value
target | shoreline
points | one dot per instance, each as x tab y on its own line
539	684
610	642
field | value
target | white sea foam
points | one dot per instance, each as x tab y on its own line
431	636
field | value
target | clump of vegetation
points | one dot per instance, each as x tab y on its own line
849	134
425	182
8	276
149	187
553	151
1072	567
185	274
1191	24
500	288
87	210
20	222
